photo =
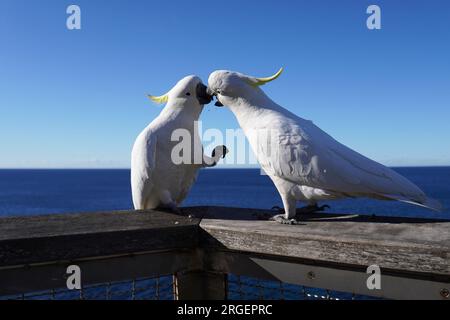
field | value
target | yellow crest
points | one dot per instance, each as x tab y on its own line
160	99
262	81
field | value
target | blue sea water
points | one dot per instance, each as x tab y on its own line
33	192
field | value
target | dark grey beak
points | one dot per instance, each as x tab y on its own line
212	93
203	96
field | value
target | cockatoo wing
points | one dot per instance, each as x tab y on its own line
302	153
188	176
143	161
186	183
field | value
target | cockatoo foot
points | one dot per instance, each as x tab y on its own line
312	209
218	153
280	218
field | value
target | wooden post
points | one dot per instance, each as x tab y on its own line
200	285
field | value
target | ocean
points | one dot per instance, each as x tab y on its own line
41	191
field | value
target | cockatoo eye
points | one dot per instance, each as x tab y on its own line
188	93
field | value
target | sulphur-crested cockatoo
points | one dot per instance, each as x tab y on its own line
168	152
304	162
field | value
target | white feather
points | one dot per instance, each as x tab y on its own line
304	162
155	179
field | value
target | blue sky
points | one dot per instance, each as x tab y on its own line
77	98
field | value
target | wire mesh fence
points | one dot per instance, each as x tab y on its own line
159	288
247	288
162	288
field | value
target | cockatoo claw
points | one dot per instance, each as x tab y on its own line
281	219
222	152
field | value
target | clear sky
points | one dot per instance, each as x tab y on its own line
78	98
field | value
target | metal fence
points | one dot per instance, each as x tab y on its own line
162	288
248	288
159	288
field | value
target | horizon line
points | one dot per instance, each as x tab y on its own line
215	168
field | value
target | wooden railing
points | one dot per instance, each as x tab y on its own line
331	251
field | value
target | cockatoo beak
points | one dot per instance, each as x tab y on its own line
210	92
213	94
203	96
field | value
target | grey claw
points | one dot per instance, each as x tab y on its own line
281	219
291	221
225	151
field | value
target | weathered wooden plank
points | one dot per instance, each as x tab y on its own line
407	245
28	240
19	227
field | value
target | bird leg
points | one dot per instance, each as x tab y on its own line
288	214
281	217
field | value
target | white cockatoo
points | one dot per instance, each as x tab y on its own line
161	172
304	162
